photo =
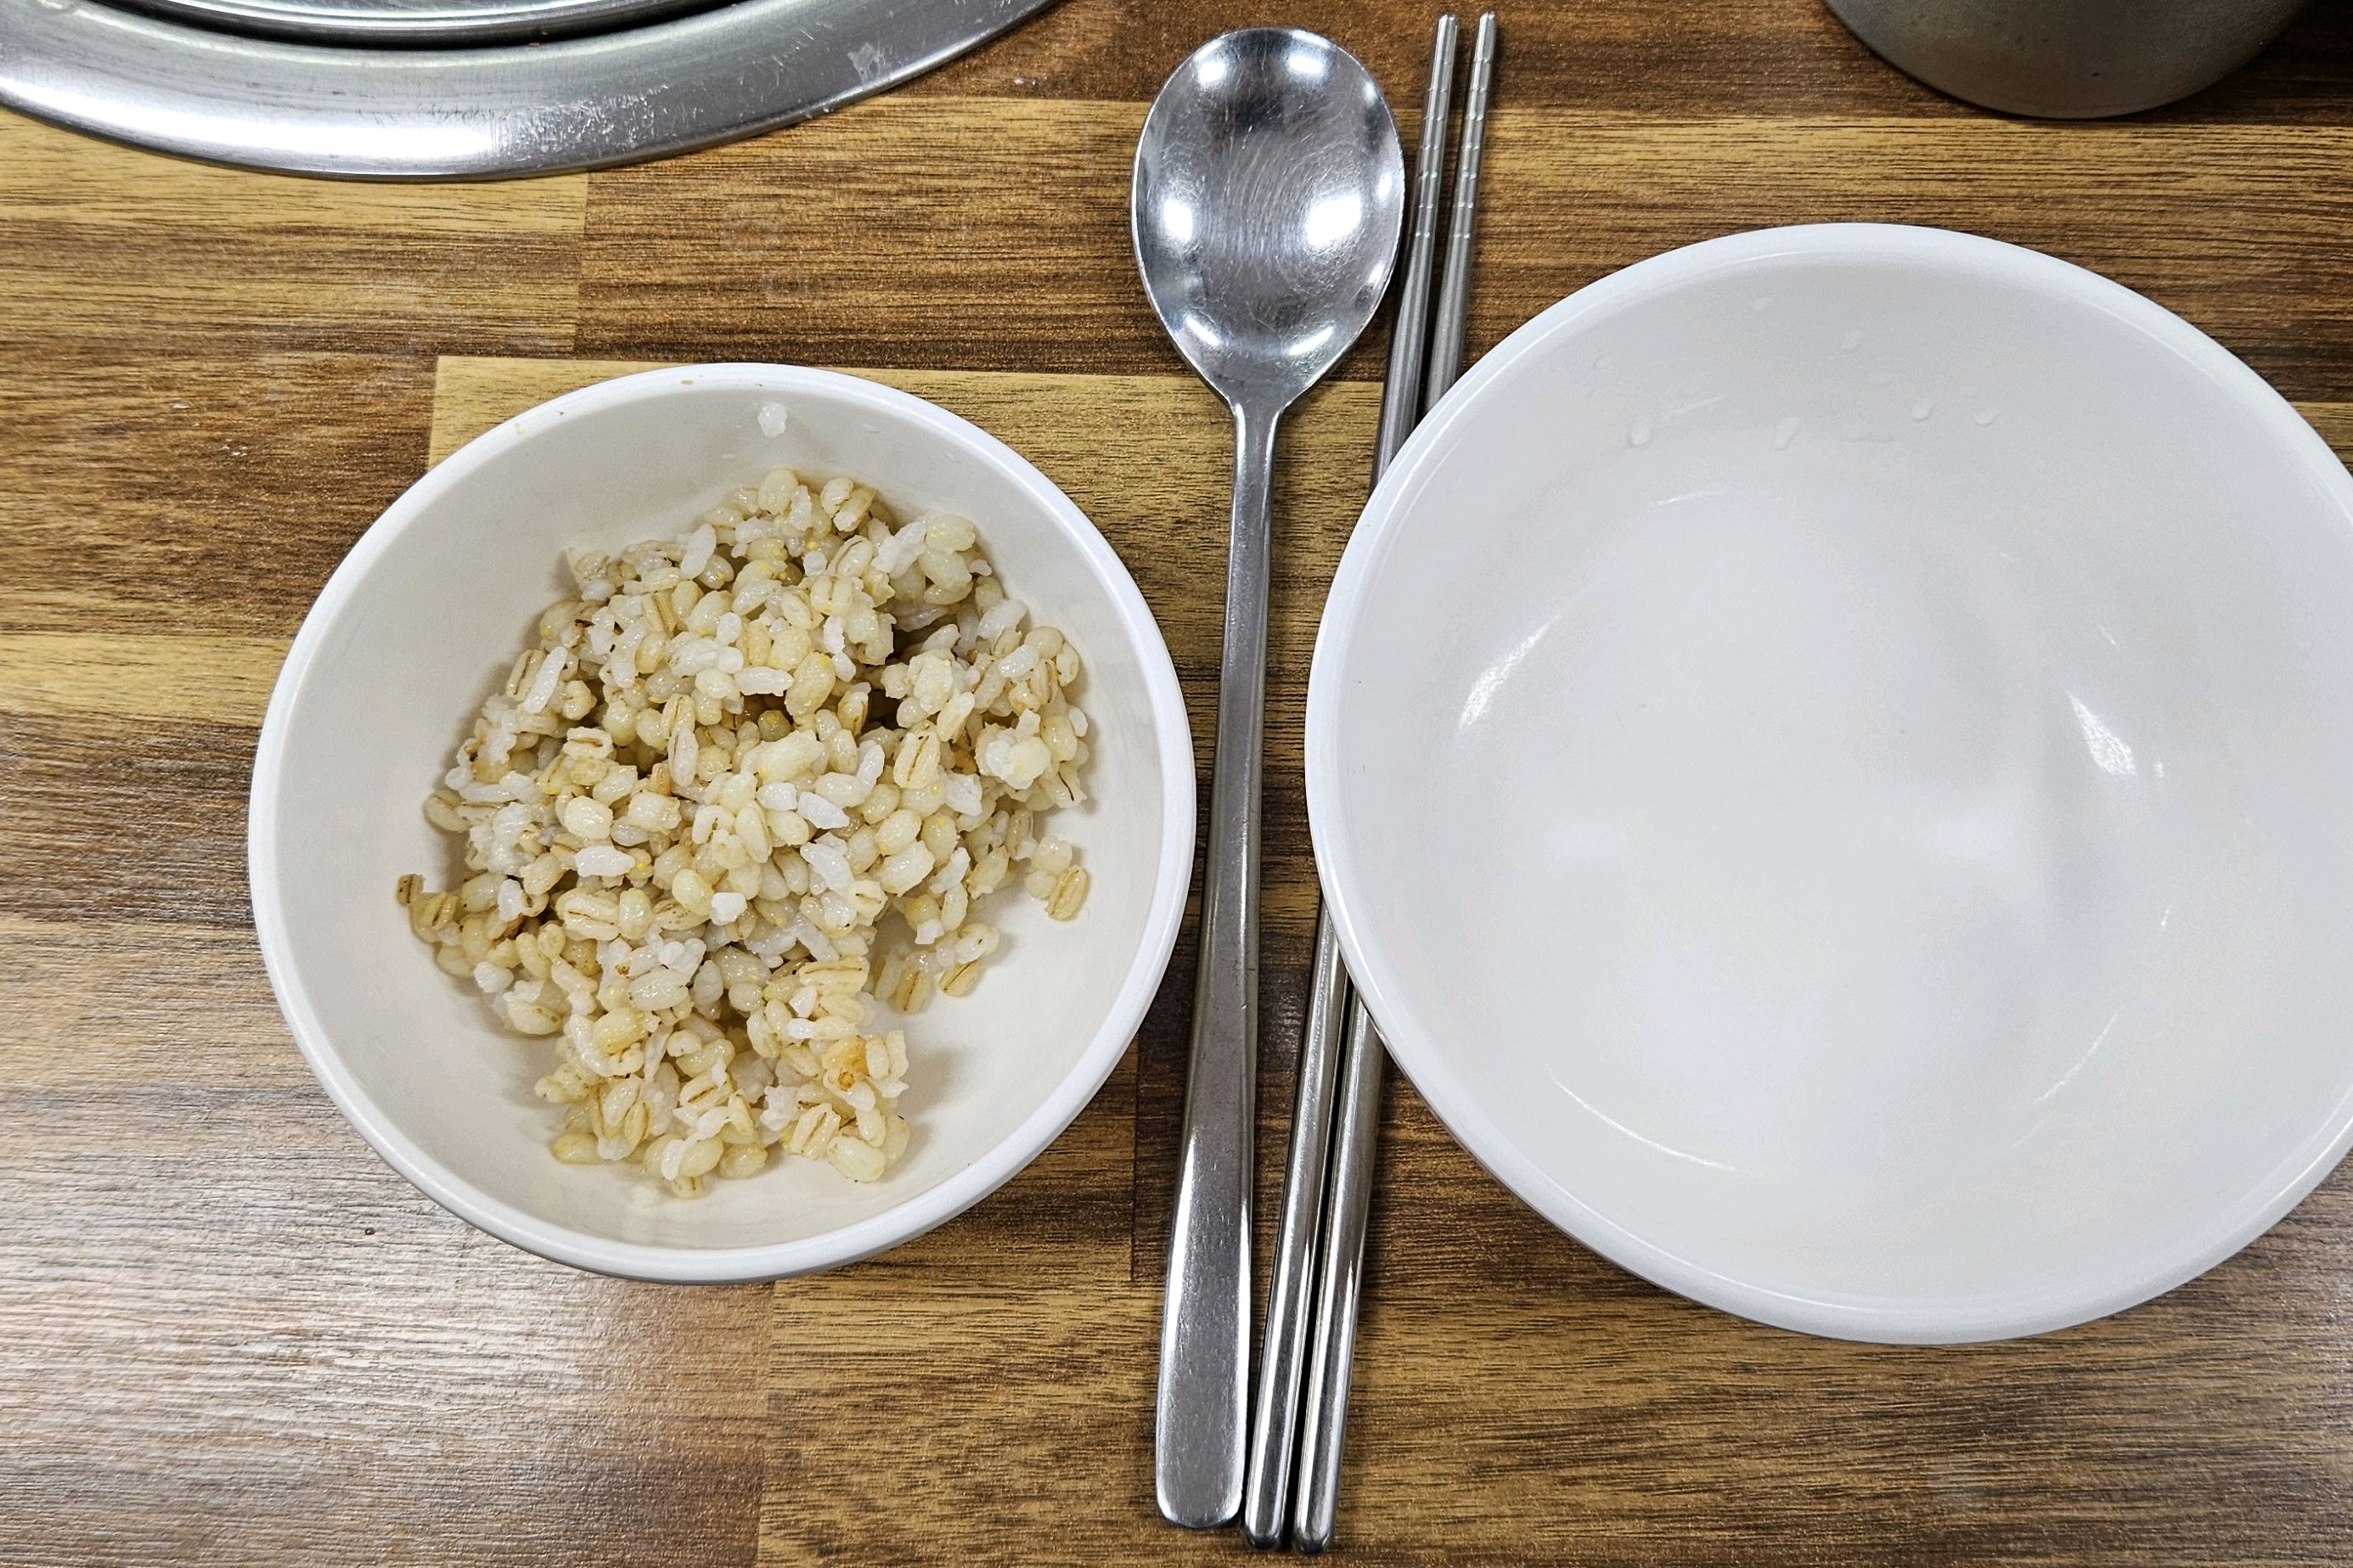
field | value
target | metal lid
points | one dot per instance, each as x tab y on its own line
414	22
206	84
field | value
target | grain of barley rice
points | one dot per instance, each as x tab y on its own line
721	767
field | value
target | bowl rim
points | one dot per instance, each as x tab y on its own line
1423	1056
917	1213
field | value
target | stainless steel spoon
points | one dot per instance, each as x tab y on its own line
1270	194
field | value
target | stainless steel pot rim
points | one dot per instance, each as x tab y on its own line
482	113
412	23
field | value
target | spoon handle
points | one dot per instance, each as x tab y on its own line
1197	1440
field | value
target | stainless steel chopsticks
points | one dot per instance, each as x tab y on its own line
1332	1343
1281	1364
1454	292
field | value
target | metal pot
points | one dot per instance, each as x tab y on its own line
2067	59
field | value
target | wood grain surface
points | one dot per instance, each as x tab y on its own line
228	1334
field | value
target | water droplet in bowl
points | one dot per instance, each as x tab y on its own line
1883	378
1851	341
1985	417
1638	433
1784	433
1921	409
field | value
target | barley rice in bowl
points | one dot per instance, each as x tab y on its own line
782	704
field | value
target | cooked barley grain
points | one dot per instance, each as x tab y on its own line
690	810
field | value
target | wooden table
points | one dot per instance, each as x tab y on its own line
228	1334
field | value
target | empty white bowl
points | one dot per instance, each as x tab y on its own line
1831	753
419	625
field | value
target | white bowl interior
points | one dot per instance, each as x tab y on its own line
412	646
1833	752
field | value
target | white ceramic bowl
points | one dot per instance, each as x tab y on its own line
419	623
1831	751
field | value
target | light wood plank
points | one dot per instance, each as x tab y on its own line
126	251
214	680
1627	58
233	1335
57	176
1039	277
196	495
1572	194
129	1003
1624	56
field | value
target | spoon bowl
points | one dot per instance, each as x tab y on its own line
1270	196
